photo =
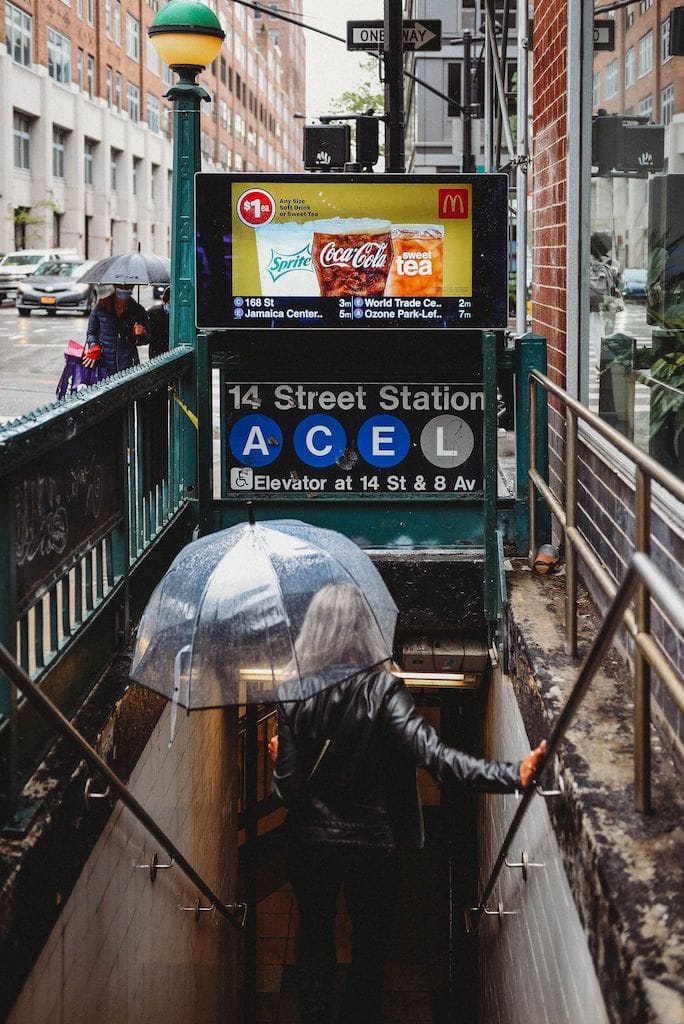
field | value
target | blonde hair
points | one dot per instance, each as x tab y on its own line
339	628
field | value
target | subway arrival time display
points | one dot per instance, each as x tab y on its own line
351	251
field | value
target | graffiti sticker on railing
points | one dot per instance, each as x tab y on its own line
64	502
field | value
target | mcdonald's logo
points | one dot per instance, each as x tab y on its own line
453	203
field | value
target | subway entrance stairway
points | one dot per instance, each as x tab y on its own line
431	974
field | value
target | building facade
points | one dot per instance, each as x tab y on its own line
85	130
434	126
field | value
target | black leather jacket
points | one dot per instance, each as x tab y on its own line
347	759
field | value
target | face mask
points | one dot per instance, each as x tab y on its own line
165	307
122	293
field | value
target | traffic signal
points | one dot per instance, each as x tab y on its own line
327	147
367	145
622	145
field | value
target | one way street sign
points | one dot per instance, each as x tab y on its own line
418	35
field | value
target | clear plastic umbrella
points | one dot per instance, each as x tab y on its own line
278	610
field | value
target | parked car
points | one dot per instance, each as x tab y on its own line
55	286
633	284
17	266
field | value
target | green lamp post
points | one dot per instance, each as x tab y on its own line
187	36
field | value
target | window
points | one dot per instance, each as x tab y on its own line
629	67
91	75
611	80
91	12
59	136
629	18
89	161
117	22
117	90
132	37
59	56
136	174
79	8
646	107
22	141
114	155
154	177
109	87
665	41
151	57
133	101
153	111
108	18
644	5
667	104
18	27
645	54
596	90
79	68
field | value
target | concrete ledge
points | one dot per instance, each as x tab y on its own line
625	869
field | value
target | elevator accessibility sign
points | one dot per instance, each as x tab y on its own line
399	439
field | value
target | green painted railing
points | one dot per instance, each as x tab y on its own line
86	487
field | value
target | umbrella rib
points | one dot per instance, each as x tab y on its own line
276	579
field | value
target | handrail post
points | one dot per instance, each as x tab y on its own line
642	669
570	524
531	428
489	367
531	433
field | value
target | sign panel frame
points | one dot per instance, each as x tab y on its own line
295	439
351	251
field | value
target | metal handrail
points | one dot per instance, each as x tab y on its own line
641	571
233	912
647	652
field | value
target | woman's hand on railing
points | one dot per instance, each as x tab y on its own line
529	764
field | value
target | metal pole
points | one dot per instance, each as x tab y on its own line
186	95
250	870
487	114
490	477
467	160
642	669
571	523
521	171
394	86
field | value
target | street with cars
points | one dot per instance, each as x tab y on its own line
32	355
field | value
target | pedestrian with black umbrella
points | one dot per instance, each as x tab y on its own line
117	324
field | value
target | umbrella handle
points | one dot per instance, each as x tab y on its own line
177	673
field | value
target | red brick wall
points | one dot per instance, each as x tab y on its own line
548	180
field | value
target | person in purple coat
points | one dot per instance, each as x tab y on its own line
118	324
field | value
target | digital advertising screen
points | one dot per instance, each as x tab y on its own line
351	251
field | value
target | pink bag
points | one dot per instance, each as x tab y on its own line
73	348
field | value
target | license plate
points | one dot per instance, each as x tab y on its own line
48	300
